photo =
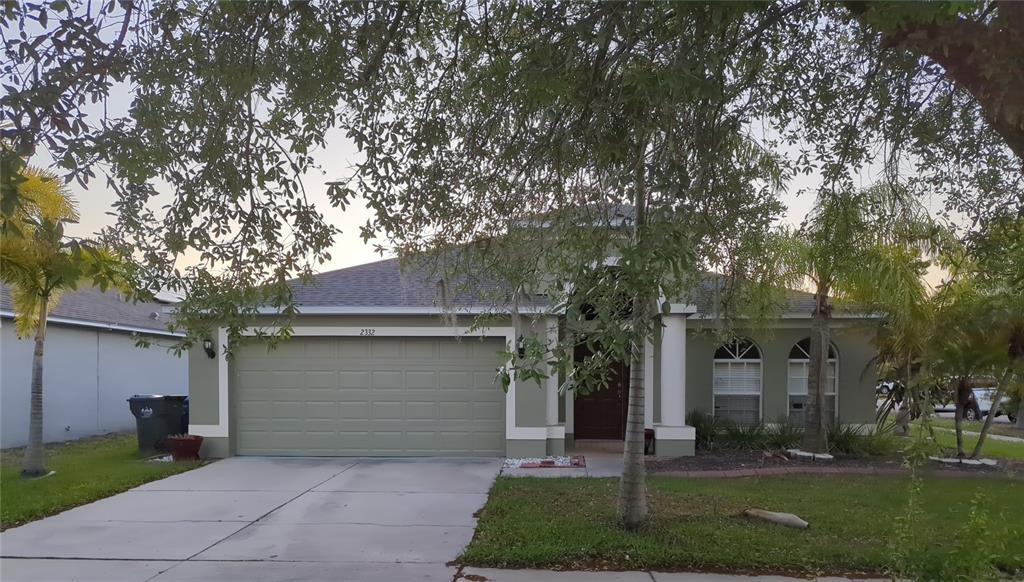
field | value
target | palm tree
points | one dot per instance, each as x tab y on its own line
39	263
861	247
981	310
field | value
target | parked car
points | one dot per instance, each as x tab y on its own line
884	388
983	404
979	405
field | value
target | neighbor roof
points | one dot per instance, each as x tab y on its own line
94	308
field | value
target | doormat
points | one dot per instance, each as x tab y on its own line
563	462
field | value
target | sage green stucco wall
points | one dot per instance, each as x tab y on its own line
855	350
202	387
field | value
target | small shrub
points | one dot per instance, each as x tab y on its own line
784	434
845	439
848	440
707	427
748	438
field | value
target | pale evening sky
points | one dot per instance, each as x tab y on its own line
335	161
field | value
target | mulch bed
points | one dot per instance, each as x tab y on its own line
738	463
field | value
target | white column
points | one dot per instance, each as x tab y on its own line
551	387
649	383
673	371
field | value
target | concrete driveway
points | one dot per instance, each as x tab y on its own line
259	519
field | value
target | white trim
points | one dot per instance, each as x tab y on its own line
673	370
799	315
221	429
759	394
102	326
551	384
570	412
556	432
512	432
399	310
687	308
648	383
675	433
508	333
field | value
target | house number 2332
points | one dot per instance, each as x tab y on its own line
367	331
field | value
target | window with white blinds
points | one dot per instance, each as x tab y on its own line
737	382
799	372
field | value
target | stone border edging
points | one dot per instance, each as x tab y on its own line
863	471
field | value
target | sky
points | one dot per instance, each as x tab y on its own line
336	161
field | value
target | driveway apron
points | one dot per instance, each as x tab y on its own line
265	518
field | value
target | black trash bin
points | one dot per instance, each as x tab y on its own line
156	417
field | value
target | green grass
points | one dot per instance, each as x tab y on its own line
696	524
992	449
1003	429
86	470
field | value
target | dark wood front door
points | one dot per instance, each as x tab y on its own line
601	414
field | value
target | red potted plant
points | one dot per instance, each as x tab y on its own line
184	447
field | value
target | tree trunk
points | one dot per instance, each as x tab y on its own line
958	415
632	504
32	464
996	399
815	436
1019	424
632	486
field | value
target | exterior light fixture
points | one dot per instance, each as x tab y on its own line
521	346
208	348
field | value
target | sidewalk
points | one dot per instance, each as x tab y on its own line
494	575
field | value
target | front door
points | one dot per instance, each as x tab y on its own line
601	414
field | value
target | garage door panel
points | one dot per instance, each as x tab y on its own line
388	410
322	379
353	410
386	348
420	410
488	410
350	378
416	379
386	379
370	396
317	409
414	349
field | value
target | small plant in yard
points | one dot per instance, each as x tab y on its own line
750	438
977	552
784	434
707	426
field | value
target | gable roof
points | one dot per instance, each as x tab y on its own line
90	307
384	287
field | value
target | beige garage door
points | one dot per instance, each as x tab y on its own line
369	396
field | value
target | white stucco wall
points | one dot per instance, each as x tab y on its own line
87	376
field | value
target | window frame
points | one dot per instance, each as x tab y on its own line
740	360
807	362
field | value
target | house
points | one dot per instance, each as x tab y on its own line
90	365
376	367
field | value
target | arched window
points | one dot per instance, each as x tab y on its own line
799	371
737	382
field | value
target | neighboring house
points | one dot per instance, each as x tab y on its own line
90	367
377	367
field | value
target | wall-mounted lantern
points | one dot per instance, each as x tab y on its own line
208	348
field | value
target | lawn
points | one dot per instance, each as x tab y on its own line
997	428
696	524
86	470
993	449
